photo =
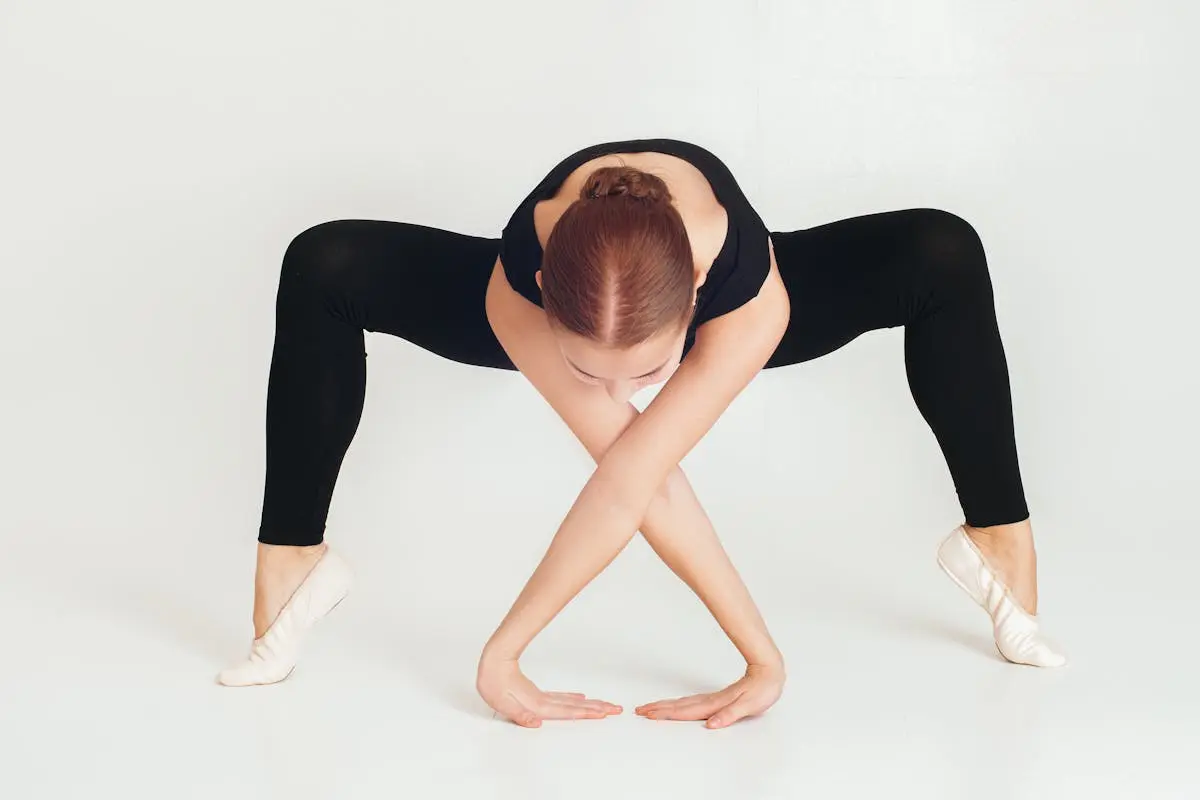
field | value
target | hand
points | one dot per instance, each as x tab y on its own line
502	685
757	691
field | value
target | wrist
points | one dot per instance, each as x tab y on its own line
770	663
498	649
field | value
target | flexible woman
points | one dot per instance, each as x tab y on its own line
636	263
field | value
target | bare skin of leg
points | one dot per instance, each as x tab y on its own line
1009	550
280	571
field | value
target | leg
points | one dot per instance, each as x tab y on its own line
925	270
339	279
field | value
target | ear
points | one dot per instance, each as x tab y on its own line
699	281
537	276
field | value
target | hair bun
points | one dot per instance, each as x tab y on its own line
625	182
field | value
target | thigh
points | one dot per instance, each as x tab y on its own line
422	284
848	277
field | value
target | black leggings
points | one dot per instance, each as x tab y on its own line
923	269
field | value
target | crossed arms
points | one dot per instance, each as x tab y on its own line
638	484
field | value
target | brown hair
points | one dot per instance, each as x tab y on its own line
618	266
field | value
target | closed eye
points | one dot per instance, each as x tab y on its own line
649	374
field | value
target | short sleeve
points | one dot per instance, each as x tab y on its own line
521	254
739	281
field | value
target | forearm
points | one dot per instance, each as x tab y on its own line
680	532
594	532
676	527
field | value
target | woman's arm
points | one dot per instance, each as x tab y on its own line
675	525
681	534
634	468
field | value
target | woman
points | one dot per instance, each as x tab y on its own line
636	263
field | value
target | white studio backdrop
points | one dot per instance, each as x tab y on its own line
156	158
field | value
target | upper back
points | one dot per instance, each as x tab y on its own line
703	216
729	239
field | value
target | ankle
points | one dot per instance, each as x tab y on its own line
288	551
276	559
1016	536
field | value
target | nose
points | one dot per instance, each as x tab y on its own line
620	391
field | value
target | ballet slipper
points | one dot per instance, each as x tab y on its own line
1016	631
273	655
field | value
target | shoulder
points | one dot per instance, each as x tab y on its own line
762	316
520	246
745	338
743	265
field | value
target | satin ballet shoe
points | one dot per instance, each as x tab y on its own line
1015	629
273	655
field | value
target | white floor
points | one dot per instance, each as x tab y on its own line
113	633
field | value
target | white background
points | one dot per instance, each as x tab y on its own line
155	160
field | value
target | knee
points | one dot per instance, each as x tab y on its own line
951	250
320	256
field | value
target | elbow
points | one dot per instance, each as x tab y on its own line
672	487
668	493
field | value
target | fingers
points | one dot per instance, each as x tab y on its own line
577	698
532	711
720	710
693	708
552	710
650	708
572	706
580	696
611	709
750	696
515	710
689	712
740	708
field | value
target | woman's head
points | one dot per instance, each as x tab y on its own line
619	281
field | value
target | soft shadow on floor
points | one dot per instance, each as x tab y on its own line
897	615
170	616
442	663
670	672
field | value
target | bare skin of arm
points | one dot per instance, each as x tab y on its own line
637	485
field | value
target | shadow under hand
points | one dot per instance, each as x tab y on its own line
443	663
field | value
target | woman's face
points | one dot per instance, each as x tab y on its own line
622	372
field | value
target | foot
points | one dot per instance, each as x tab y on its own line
294	589
280	571
1009	551
996	567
